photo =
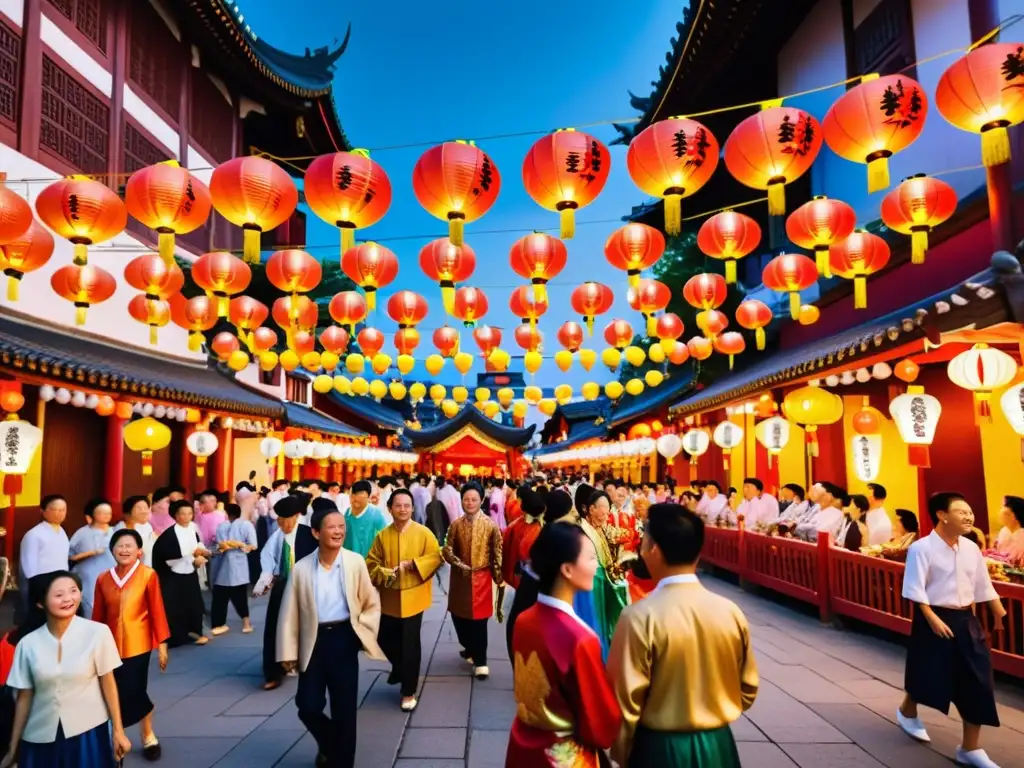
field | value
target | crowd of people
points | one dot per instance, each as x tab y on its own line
619	653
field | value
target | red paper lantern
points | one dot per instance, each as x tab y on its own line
915	207
648	297
730	343
712	322
669	327
705	291
699	348
634	248
82	211
470	305
618	334
755	316
447	264
263	340
295	312
487	339
348	308
370	341
773	148
348	190
301	342
370	266
195	315
84	286
25	253
15	214
407	308
538	257
874	120
983	92
855	258
255	194
222	276
223	345
680	353
672	159
150	274
155	313
530	339
167	198
729	236
335	339
406	340
570	335
525	305
590	300
247	314
457	183
818	224
790	273
293	271
446	340
564	171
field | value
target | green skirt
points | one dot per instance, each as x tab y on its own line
699	749
610	598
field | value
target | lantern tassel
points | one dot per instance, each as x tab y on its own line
81	254
165	242
348	239
982	408
448	296
147	463
731	359
822	262
200	466
995	146
456	229
633	278
919	456
80	314
251	246
725	460
730	271
195	338
776	198
12	288
540	290
878	174
673	214
860	292
811	434
759	338
652	326
222	306
371	297
794	304
568	223
589	322
918	245
152	335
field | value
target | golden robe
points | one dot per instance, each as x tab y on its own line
473	549
680	662
135	612
405	593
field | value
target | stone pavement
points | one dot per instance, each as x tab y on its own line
827	699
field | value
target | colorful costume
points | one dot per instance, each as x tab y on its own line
516	543
600	609
473	549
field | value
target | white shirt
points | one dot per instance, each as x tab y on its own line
946	577
796	511
343	502
564	607
760	510
329	590
879	526
828	520
187	541
66	691
44	548
710	509
682	578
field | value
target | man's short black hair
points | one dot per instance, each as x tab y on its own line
710	483
678	533
161	493
313	481
278	483
335	484
50	498
325	504
316	520
878	491
940	502
400	492
209	492
362	486
756	482
177	489
797	489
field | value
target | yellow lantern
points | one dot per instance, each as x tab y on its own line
654	378
147	435
613	390
434	364
563	359
329	361
405	364
505	396
417	392
532	362
491	409
563	393
656	354
360	386
438	393
238	360
289	360
591	390
547	406
634	387
587	358
635	356
355	363
499	360
460	394
519	410
378	390
380	363
533	394
342	385
449	408
482	394
323	384
268	361
397	390
611	357
812	407
463	362
311	361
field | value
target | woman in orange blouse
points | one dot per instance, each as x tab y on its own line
128	600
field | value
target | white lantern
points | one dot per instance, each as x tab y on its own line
172	413
773	434
19	442
295	450
696	443
181	415
137	408
881	371
78	399
337	452
202	444
147	409
727	436
847	378
670	446
270	448
322	451
863	375
47	393
160	411
916	415
867	456
1012	403
91	401
982	369
63	396
832	381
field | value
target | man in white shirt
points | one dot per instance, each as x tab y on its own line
877	519
713	504
825	512
44	547
948	659
758	509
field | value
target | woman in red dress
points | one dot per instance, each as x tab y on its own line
566	714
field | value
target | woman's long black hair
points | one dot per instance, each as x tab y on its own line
557	544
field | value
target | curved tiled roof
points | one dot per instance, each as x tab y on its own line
304	417
469	416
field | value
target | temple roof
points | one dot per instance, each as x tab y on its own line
630	407
370	410
578	432
304	417
470	418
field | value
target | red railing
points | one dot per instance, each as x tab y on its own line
722	548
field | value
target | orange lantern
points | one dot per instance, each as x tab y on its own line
648	297
731	344
755	316
15	213
699	348
790	273
263	340
729	236
334	339
222	276
634	248
447	264
470	305
406	340
564	171
772	148
874	120
669	328
83	285
255	194
809	314
195	315
302	342
370	266
530	339
906	370
247	314
348	308
293	271
348	190
150	274
446	339
370	341
570	336
818	224
487	339
538	258
680	353
705	291
712	322
855	258
590	300
672	159
407	308
525	305
105	406
82	211
915	207
618	334
982	93
291	313
25	253
167	198
155	313
457	183
223	345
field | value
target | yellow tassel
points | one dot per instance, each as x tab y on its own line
673	214
568	222
165	242
348	239
918	246
540	293
730	271
860	293
195	338
759	338
12	288
652	326
80	315
822	262
995	146
448	298
251	246
371	298
776	199
731	358
81	257
222	306
456	230
878	174
590	325
633	278
152	335
794	304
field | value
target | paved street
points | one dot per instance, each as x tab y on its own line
827	699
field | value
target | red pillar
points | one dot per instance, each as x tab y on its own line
185	464
1000	206
924	522
113	468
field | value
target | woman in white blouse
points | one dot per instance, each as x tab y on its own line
67	710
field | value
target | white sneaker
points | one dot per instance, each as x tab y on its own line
409	703
976	758
913	727
481	673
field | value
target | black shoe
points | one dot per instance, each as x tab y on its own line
321	760
152	752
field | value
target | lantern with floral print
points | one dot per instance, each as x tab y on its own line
447	264
669	328
167	198
523	304
731	344
590	300
819	224
370	266
648	297
773	434
25	253
82	211
727	436
982	369
202	444
84	286
222	276
618	334
195	315
916	415
790	273
634	248
470	305
729	236
672	159
155	313
755	316
255	194
705	291
564	171
772	148
855	258
457	183
538	257
875	119
866	444
348	190
348	308
446	340
570	336
915	207
487	339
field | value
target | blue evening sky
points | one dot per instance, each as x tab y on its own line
427	72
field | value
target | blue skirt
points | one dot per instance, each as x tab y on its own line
93	748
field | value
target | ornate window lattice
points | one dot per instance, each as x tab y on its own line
884	41
74	121
212	119
10	73
140	151
88	16
155	58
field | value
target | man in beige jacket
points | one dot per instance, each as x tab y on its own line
330	612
